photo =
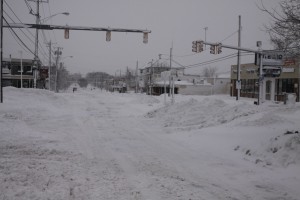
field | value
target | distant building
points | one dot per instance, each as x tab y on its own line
12	76
11	72
152	82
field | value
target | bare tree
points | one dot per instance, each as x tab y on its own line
209	71
62	78
284	30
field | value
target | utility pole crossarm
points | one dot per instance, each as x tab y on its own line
83	28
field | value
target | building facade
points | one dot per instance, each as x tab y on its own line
156	81
12	75
275	88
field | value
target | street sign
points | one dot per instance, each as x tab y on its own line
238	85
270	58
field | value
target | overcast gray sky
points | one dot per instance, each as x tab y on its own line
172	22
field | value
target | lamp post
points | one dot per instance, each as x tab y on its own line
21	66
47	18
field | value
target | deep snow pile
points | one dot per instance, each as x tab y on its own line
93	144
281	139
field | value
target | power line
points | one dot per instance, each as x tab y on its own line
16	16
19	28
18	36
216	60
29	7
40	47
50	14
229	36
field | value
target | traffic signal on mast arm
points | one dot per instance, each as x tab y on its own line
195	47
213	49
219	48
108	36
67	34
145	38
200	45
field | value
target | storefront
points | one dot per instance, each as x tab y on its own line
287	82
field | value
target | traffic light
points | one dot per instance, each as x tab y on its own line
145	38
200	45
67	33
195	47
219	48
108	36
213	49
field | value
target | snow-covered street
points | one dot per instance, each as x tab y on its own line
94	144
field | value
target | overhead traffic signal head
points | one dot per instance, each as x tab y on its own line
219	48
145	38
194	47
108	36
197	46
67	34
213	49
200	45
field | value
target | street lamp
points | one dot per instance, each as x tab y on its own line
47	18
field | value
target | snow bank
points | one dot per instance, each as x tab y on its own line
205	112
267	144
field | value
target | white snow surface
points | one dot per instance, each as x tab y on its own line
93	144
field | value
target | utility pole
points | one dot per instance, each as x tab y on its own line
205	29
36	60
49	70
260	79
150	80
21	68
136	76
1	49
57	53
238	84
170	78
36	46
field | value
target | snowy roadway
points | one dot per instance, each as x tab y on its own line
100	145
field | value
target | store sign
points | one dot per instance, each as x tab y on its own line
238	84
270	71
270	58
288	70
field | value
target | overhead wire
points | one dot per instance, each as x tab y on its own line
29	7
217	60
16	17
50	14
18	37
31	40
